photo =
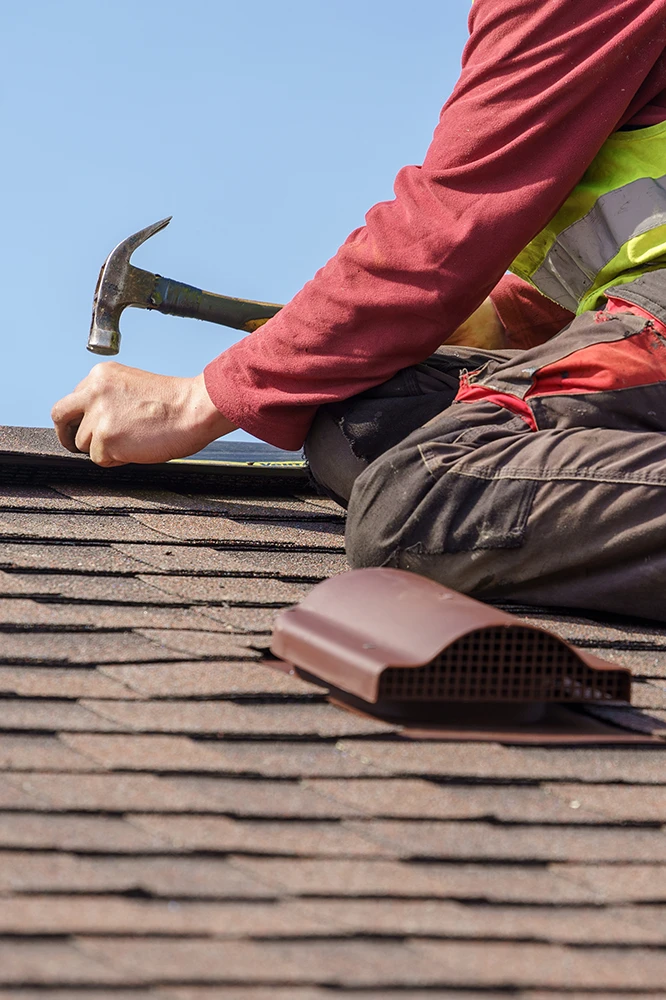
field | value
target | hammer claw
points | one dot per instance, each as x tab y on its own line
129	245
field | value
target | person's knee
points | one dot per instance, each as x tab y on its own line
384	501
333	464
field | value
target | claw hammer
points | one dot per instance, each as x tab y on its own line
120	285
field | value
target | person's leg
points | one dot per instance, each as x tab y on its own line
482	504
345	437
571	513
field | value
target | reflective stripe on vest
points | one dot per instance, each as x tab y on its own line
612	227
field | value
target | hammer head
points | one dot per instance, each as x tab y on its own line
120	285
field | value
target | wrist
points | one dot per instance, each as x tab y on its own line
203	415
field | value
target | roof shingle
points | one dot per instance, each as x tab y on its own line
180	821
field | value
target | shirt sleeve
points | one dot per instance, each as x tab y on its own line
542	86
528	317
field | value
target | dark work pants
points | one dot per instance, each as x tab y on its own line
566	507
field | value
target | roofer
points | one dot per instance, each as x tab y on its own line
526	457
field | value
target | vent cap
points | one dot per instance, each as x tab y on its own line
387	636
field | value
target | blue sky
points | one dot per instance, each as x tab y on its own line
266	129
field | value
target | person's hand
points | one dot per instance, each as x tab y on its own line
483	329
119	414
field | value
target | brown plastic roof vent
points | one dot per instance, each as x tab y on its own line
391	637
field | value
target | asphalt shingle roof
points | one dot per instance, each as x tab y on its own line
180	821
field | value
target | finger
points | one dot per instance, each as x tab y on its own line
67	409
66	415
100	454
83	435
66	434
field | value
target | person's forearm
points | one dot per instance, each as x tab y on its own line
542	87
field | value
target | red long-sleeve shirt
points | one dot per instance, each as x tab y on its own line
543	84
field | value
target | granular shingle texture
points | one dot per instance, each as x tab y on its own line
179	821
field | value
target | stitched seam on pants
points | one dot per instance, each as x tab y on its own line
550	475
428	461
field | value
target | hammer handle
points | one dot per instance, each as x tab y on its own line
178	299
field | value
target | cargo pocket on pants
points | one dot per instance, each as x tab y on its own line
482	514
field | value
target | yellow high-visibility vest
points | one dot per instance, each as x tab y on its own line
612	227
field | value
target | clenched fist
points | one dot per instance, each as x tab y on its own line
119	415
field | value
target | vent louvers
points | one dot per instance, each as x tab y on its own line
388	638
504	664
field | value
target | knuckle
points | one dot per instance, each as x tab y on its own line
106	436
102	374
97	372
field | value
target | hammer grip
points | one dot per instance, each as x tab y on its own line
179	299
